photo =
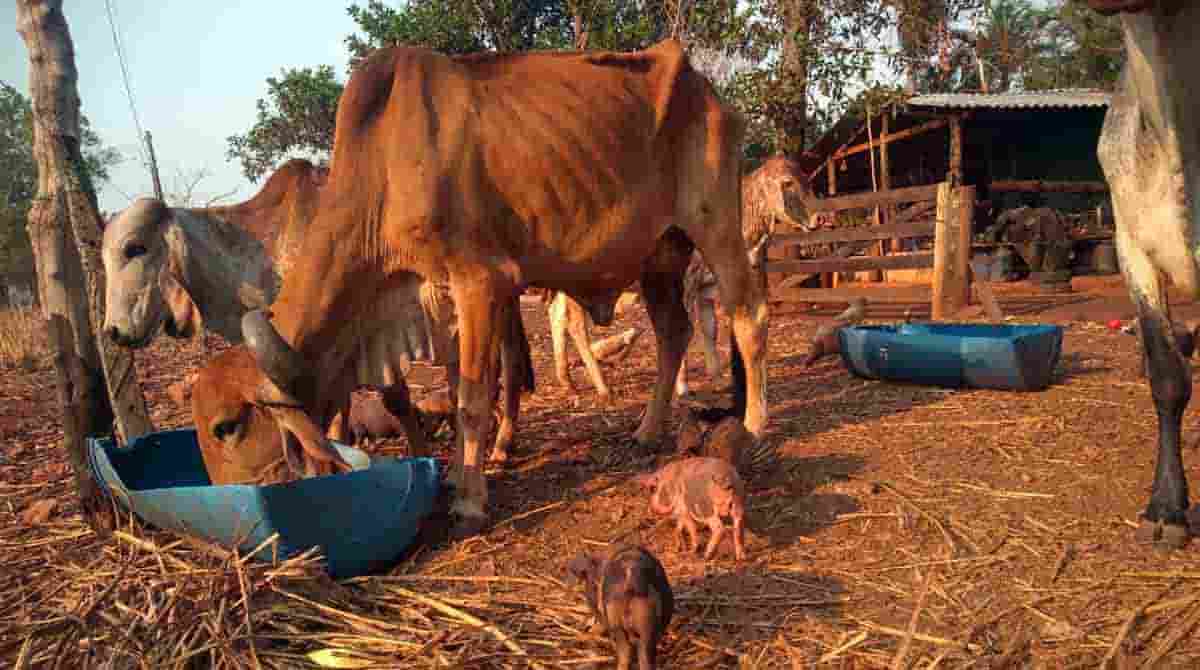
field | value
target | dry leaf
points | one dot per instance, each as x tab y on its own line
337	658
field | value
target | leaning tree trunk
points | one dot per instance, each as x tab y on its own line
64	227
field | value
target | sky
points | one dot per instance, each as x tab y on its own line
195	69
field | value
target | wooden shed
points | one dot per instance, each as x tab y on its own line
1024	149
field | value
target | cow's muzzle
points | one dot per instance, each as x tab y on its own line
282	364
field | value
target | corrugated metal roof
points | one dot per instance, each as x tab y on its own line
1069	98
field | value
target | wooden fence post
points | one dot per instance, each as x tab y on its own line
952	249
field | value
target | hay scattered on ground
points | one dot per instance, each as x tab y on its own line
898	527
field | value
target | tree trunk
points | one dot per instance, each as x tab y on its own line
64	227
798	16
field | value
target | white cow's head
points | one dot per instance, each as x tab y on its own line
143	286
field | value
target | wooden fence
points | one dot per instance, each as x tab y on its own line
940	211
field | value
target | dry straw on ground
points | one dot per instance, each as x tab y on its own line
22	339
898	527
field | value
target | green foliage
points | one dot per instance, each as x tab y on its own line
1026	46
1078	48
18	174
440	25
295	119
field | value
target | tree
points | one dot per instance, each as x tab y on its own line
295	120
64	226
1078	48
297	117
18	174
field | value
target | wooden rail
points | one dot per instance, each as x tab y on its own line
895	196
915	261
950	228
858	234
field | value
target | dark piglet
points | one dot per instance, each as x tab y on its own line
370	418
729	441
628	593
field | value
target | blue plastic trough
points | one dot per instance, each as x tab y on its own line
1015	358
362	520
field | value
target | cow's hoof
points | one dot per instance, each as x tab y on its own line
1162	535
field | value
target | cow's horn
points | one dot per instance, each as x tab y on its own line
277	359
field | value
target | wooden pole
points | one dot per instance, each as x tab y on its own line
158	192
954	175
877	248
64	226
952	250
827	278
885	178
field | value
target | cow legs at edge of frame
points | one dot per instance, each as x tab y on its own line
662	290
483	304
1164	521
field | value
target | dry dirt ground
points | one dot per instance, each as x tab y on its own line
898	526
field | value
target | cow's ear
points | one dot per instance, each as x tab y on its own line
185	317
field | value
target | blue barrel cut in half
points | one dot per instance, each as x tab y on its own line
362	520
988	356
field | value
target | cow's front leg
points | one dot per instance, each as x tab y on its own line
482	300
1164	521
743	294
662	289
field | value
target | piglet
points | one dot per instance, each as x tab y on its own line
700	490
370	418
825	342
628	593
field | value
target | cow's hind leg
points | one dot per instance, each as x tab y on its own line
662	289
558	336
706	316
516	373
1164	522
577	326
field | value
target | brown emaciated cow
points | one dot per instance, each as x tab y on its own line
581	172
192	268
